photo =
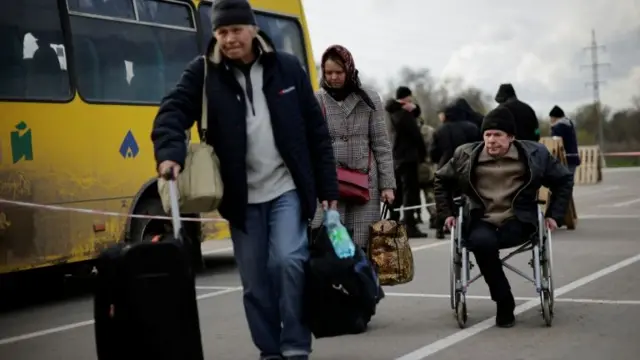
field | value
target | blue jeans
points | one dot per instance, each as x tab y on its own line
271	255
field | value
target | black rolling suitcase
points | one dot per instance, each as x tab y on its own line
145	303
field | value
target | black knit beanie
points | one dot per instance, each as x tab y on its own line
402	92
556	112
231	12
499	118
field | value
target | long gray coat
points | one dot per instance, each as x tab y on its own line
355	129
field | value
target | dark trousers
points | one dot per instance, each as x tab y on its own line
485	241
408	191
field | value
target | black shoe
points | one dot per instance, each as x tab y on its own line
504	314
297	357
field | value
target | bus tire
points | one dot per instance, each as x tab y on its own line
144	230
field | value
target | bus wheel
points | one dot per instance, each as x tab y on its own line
148	230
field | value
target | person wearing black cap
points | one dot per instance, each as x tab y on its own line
276	161
500	178
527	125
409	150
563	127
471	115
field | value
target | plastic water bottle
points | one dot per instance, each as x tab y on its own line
338	234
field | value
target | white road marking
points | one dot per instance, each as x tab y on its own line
600	301
217	288
217	251
429	246
230	249
608	217
464	334
224	290
446	296
625	203
519	298
621	169
580	191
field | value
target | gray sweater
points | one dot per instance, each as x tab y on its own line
267	174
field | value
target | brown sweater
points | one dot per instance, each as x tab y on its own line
497	182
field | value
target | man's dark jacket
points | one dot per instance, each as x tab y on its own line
527	126
299	128
409	146
456	130
542	170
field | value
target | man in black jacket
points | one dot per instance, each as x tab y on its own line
409	151
527	126
471	115
276	161
500	178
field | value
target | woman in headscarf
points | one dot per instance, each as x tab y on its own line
358	130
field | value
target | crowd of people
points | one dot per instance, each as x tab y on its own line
280	146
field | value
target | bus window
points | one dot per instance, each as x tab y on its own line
132	61
164	13
112	8
285	32
30	67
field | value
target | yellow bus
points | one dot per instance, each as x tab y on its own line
80	82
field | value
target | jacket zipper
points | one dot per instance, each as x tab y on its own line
525	186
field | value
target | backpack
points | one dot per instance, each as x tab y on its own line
341	295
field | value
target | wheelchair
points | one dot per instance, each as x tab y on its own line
460	266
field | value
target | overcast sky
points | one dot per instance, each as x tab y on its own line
536	45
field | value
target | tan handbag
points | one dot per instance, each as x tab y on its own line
200	186
390	251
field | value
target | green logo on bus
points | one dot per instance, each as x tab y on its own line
21	146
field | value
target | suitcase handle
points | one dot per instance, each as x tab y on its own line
175	207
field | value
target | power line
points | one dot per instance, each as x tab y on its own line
595	84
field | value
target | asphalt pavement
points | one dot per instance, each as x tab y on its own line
596	272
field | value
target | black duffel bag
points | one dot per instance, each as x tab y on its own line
341	295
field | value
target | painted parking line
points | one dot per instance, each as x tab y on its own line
217	251
518	298
464	334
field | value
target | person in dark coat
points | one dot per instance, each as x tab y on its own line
455	131
276	161
471	115
500	179
563	127
527	126
409	151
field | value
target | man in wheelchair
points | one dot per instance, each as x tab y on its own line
499	179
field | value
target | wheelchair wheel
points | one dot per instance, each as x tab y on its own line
454	270
546	303
461	310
